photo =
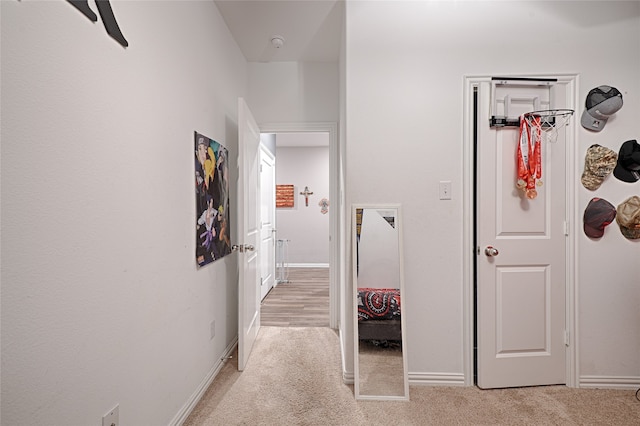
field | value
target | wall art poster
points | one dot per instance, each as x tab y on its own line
212	200
284	196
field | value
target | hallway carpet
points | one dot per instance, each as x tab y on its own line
294	378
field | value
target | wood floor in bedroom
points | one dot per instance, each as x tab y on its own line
301	302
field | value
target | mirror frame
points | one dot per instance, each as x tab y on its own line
356	340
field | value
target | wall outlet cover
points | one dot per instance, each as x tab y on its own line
112	418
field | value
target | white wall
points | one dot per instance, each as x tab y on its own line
306	228
293	92
346	293
405	64
102	302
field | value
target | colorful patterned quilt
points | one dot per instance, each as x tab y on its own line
378	304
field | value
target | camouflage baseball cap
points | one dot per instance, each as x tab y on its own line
599	162
628	217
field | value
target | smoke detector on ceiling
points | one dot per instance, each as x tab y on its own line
277	41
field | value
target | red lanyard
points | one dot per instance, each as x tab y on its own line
529	157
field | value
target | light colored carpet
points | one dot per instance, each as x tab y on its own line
294	378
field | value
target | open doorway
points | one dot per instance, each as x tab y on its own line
300	293
336	207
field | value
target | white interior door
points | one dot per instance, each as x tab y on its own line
248	232
521	287
268	219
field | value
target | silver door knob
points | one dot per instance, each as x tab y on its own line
242	248
491	251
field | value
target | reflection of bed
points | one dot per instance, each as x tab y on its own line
379	314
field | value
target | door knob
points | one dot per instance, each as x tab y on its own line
242	248
491	251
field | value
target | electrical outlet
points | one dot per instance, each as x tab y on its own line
112	418
213	330
445	190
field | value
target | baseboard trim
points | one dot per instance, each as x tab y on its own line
421	379
308	265
191	403
609	382
347	377
436	379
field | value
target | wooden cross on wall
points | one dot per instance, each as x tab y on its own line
306	194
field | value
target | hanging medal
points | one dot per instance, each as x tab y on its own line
529	156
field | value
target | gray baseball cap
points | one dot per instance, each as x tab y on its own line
602	102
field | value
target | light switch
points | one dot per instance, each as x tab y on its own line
445	189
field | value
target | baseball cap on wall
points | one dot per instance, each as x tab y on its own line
628	217
599	162
598	214
602	102
628	165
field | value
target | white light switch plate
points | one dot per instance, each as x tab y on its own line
445	189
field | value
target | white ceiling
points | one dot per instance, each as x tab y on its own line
312	29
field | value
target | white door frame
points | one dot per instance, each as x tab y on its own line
334	196
265	154
571	309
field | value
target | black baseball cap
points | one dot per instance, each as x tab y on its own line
628	165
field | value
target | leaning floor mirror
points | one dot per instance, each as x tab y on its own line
380	361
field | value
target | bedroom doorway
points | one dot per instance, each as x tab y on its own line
300	296
306	287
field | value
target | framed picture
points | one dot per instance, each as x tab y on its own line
284	196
